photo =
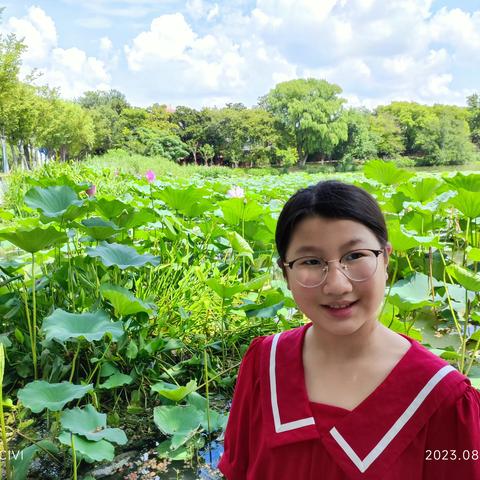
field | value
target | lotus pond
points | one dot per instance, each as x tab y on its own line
125	308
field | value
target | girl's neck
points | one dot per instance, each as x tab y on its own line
341	349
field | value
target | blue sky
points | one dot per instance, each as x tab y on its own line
207	52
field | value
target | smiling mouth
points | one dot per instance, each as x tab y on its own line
340	306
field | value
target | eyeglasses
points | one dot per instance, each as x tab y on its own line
357	265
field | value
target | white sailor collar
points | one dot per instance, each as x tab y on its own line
366	441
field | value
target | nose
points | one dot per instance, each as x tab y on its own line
336	282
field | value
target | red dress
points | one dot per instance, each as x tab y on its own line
421	422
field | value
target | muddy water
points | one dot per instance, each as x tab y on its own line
146	465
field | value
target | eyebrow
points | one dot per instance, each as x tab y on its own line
312	249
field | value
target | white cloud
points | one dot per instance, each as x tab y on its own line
105	44
221	64
458	29
373	48
167	39
206	51
399	64
213	12
195	8
38	32
71	70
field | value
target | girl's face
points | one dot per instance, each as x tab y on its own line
330	239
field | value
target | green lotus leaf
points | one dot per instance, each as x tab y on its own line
422	189
222	290
116	380
132	350
99	229
218	421
240	245
440	201
386	172
189	201
111	208
121	256
10	267
6	215
60	180
21	462
457	294
197	401
124	301
446	354
413	292
236	209
165	450
475	382
403	240
87	449
465	277
39	394
181	422
174	392
35	239
469	181
268	309
62	326
91	424
136	218
473	254
55	203
468	203
399	240
256	283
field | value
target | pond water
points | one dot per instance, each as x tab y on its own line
146	465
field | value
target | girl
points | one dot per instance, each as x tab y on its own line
343	397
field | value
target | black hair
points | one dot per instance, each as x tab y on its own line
329	199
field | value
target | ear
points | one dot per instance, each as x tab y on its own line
284	272
388	251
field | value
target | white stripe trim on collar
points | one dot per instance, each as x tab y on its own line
362	465
279	426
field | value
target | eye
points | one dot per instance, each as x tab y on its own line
311	262
356	255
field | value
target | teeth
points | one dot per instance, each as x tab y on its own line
340	306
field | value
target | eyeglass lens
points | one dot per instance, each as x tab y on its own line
357	266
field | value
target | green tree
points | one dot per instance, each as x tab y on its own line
104	120
473	103
446	141
105	109
10	60
208	153
24	122
310	115
67	128
99	98
162	143
386	133
242	136
360	143
192	126
412	119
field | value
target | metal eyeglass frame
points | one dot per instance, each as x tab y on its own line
343	268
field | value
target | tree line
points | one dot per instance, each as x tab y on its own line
296	122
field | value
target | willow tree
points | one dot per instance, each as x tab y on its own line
310	115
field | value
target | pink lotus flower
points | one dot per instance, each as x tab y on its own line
236	192
150	176
91	191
